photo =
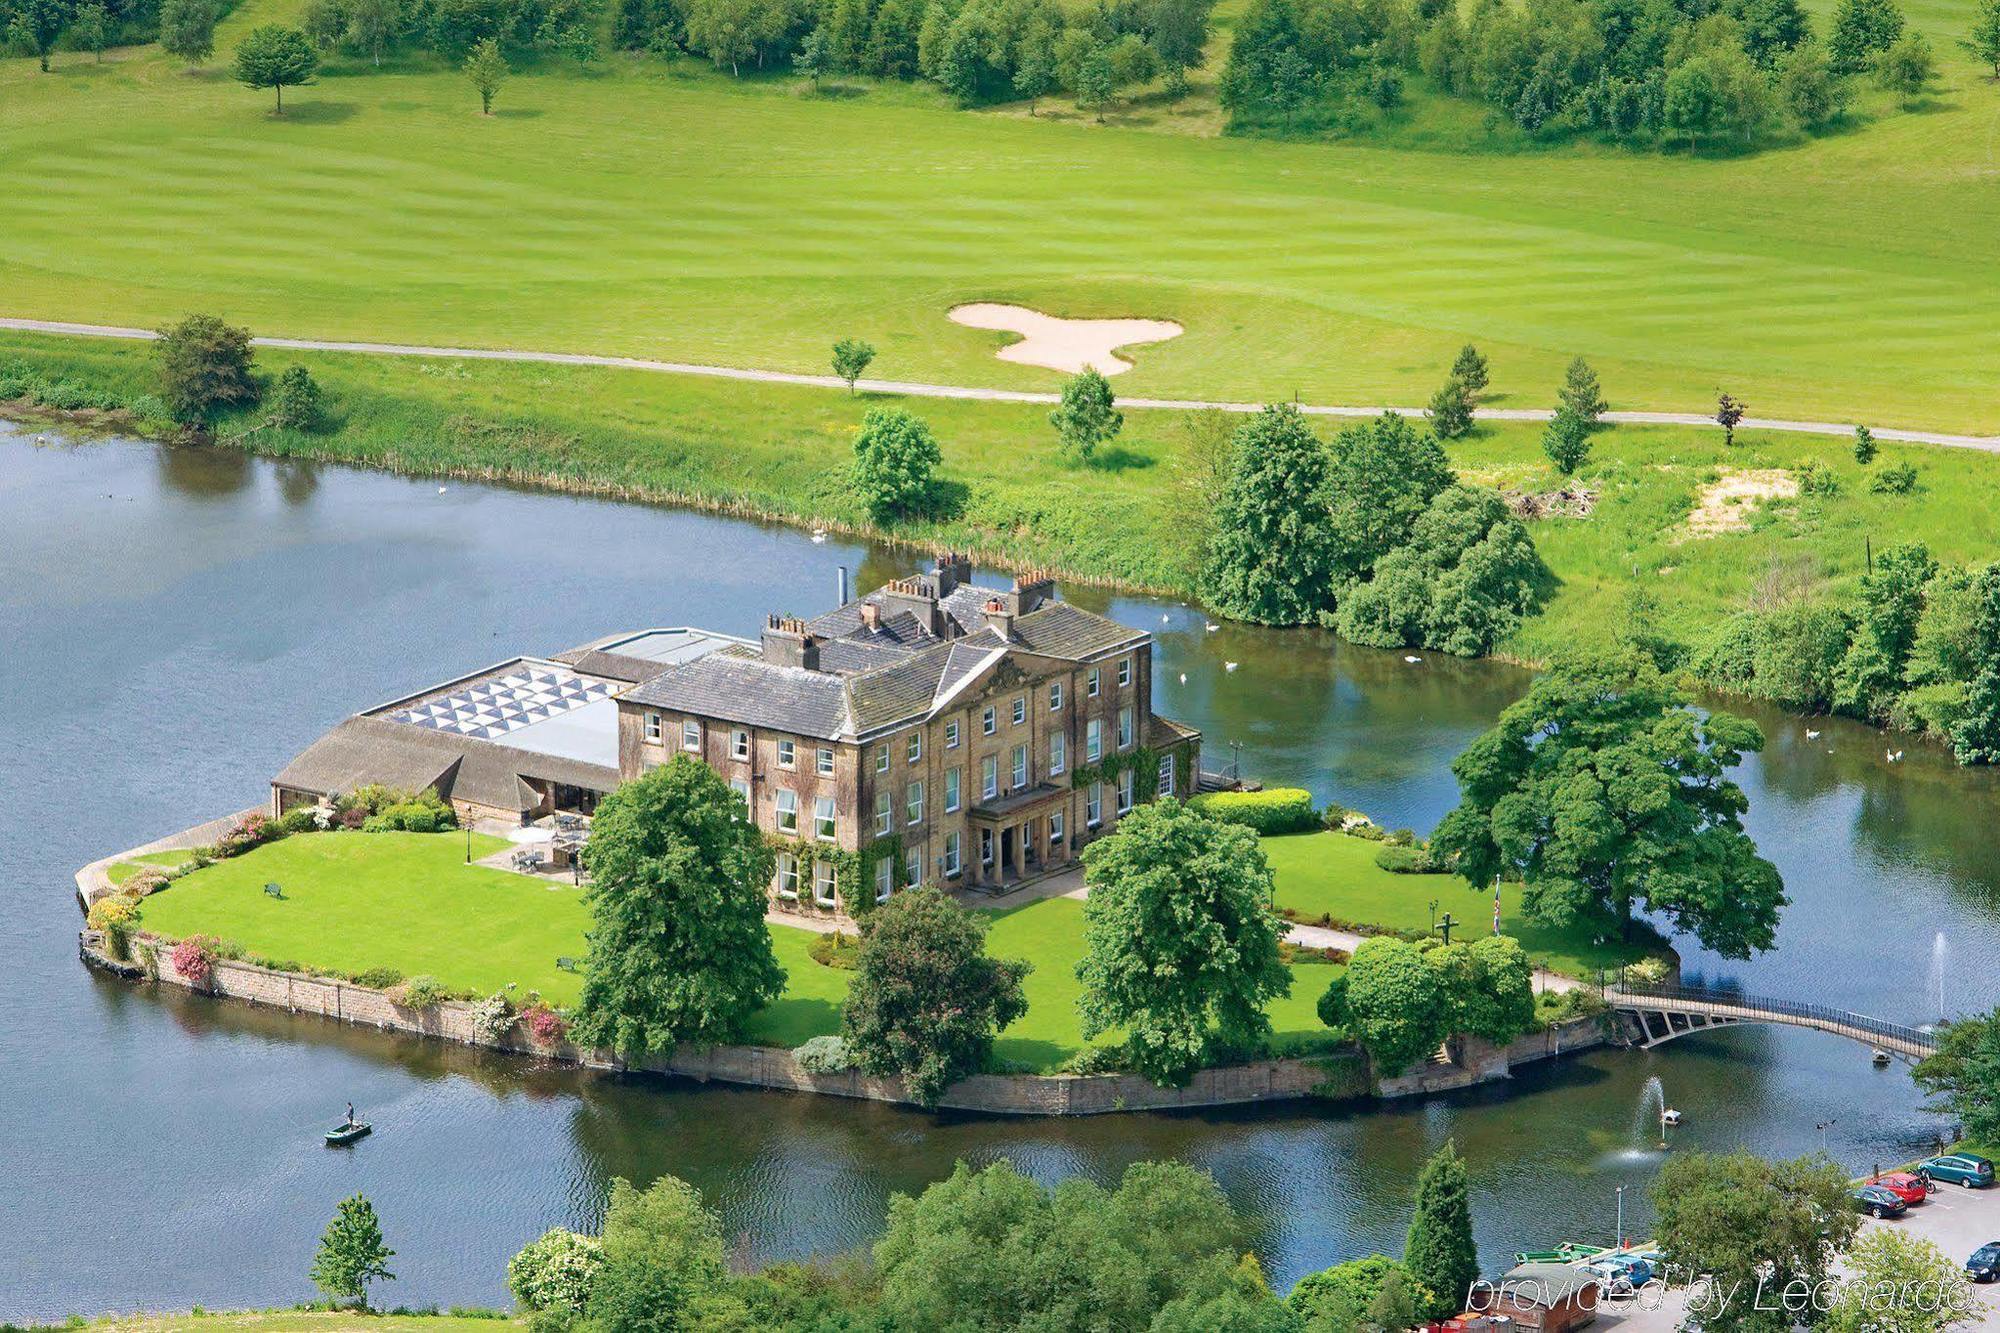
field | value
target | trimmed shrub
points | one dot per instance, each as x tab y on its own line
378	978
824	1055
555	1272
419	992
1275	810
1648	972
1896	479
837	949
299	819
1398	859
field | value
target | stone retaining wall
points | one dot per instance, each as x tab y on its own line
1341	1074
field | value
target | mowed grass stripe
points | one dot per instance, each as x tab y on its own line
602	221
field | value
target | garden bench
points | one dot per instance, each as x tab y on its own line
274	891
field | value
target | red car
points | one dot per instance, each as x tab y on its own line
1905	1185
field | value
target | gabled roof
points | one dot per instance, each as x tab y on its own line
739	686
374	749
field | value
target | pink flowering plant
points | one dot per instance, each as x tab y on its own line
193	959
545	1025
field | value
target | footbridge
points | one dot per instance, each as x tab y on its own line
1662	1013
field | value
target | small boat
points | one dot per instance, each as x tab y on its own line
1881	1058
341	1135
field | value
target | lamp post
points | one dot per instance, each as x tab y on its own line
1621	1217
468	842
1823	1126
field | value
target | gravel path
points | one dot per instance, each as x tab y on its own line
1985	443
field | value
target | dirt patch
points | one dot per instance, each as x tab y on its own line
1726	504
1569	502
1068	345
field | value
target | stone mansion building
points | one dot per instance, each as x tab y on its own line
931	731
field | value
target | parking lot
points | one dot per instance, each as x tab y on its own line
1958	1221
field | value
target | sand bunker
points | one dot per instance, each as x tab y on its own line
1726	504
1064	344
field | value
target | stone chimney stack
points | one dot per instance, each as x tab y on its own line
953	570
1031	591
786	643
1000	617
871	617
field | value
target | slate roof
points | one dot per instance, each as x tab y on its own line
1546	1284
740	686
873	679
374	749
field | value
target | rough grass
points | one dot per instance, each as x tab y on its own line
658	208
1336	874
407	900
783	451
124	870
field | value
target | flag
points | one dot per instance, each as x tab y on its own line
1496	907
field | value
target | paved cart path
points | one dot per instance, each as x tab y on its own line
1985	443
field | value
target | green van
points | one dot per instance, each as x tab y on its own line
1959	1169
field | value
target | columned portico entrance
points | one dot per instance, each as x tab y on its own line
1012	835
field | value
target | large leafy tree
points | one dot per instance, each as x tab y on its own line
1975	738
1273	555
1862	28
926	1000
1736	1217
1605	794
992	1249
1180	938
1344	1296
1963	1075
1892	602
895	462
275	57
1385	474
1899	1283
1439	1251
204	365
1392	1001
38	25
351	1253
679	951
1460	583
187	29
1401	1000
663	1267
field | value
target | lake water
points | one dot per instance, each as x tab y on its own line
175	624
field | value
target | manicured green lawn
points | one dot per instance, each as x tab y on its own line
124	870
1336	874
658	208
354	901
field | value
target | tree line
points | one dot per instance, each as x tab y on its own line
1637	71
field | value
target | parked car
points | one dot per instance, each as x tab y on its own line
1612	1279
1984	1265
1908	1186
1879	1202
1634	1266
1958	1168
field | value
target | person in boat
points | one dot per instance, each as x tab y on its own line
349	1122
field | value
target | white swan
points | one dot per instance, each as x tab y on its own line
1229	666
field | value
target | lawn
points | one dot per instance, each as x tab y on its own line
1336	874
657	208
408	901
121	871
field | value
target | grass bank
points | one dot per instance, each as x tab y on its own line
408	901
659	208
1334	876
293	1321
782	451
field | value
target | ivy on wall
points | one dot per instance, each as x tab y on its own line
853	872
1144	761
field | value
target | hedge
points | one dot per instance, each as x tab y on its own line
1276	810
